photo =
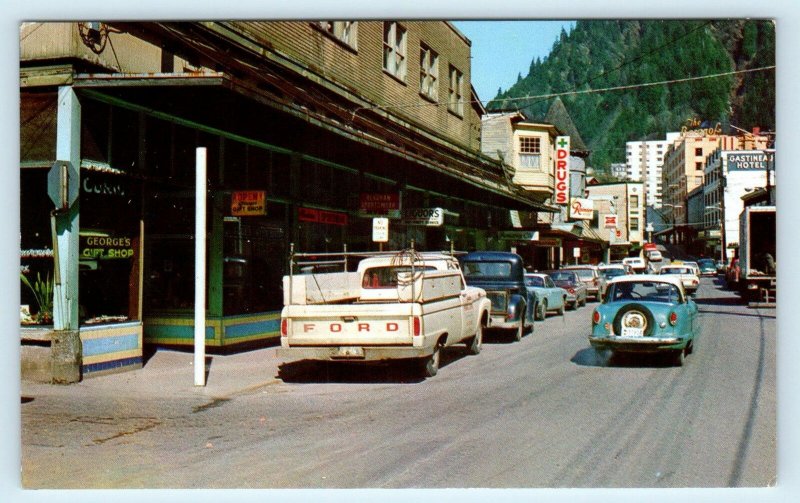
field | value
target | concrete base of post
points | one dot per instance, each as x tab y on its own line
66	356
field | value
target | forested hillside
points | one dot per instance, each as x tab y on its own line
600	54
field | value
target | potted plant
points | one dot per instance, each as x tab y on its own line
43	293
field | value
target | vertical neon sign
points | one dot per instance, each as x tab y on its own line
562	170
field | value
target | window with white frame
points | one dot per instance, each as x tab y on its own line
455	102
530	154
394	49
428	72
343	31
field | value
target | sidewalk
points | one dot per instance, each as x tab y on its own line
170	373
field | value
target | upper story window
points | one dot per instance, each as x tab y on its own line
634	201
698	151
456	92
428	72
530	152
394	49
343	31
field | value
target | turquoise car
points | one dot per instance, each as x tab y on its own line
549	297
646	314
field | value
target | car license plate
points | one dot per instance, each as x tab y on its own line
632	332
349	352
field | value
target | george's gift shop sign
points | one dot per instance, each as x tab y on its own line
562	170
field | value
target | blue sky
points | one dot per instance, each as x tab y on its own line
501	50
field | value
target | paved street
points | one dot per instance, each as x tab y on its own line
543	412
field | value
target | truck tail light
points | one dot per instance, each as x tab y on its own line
417	324
595	317
284	327
673	318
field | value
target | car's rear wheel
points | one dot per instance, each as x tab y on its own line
430	364
475	342
678	357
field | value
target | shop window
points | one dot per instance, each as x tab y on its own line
108	247
253	263
36	253
169	261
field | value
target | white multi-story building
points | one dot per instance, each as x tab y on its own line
643	161
729	175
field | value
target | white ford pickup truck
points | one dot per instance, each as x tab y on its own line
395	306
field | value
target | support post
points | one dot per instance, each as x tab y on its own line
67	352
200	269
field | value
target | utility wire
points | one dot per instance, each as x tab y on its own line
586	91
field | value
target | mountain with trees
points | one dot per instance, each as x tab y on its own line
637	80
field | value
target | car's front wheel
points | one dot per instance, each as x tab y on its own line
541	310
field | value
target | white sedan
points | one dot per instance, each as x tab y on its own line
686	274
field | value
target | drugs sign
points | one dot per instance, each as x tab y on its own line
562	170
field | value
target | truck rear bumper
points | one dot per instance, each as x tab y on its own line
352	353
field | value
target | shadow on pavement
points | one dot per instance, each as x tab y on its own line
150	350
396	371
588	357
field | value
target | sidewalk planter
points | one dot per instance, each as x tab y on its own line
64	357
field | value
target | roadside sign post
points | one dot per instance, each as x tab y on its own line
380	231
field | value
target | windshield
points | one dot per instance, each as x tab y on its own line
649	291
489	269
534	281
706	263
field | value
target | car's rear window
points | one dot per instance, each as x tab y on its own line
584	273
487	269
676	270
386	277
648	291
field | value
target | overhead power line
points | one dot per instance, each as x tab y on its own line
636	86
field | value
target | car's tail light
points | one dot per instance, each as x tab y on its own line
695	282
595	317
673	318
572	291
417	323
284	327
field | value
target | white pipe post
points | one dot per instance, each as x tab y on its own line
200	270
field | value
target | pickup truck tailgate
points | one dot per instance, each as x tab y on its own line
335	325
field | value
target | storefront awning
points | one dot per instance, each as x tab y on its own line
164	96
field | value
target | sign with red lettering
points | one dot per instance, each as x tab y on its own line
581	209
248	203
562	170
321	216
379	203
610	221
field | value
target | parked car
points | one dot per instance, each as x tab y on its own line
502	275
707	267
693	265
590	276
646	314
572	284
550	298
637	263
685	274
611	271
